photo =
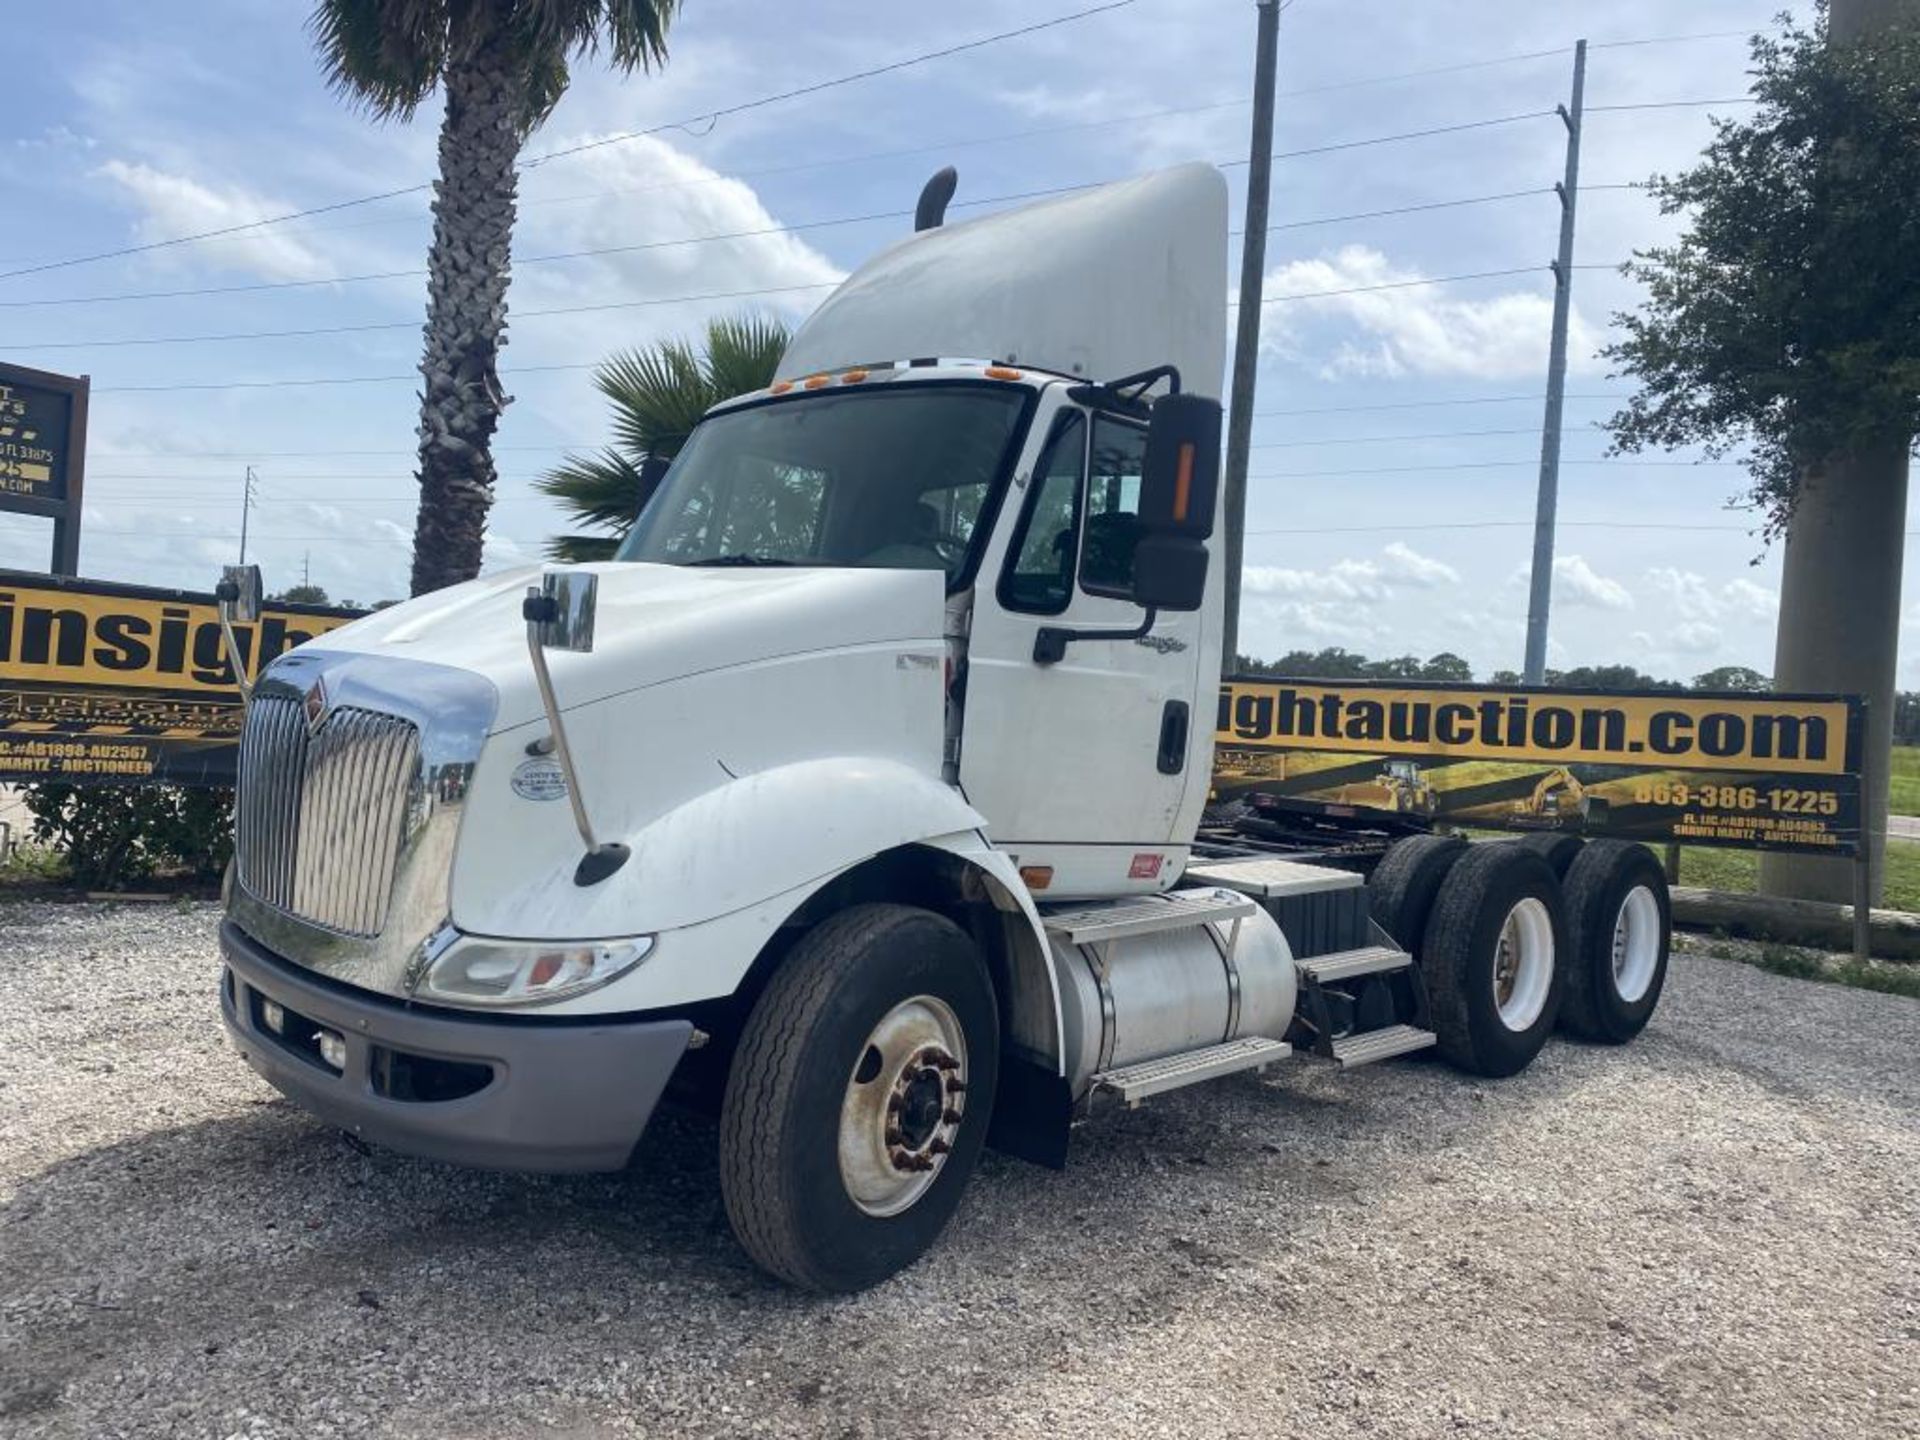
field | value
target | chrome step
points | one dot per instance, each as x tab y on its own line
1346	964
1180	910
1374	1045
1134	1083
1273	879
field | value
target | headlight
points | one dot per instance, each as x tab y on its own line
518	972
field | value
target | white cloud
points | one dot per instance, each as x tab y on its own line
1693	597
1427	330
1410	567
1371	581
1694	637
1578	584
173	205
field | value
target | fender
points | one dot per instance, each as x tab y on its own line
741	844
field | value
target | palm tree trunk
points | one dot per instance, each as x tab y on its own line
467	273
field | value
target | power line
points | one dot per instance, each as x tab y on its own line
762	232
1500	525
1398	136
415	324
712	117
1533	399
1499	465
1404	284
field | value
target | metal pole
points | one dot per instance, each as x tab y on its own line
1863	861
1541	594
246	508
1246	348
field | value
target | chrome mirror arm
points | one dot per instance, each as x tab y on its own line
541	610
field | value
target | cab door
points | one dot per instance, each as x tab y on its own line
1082	765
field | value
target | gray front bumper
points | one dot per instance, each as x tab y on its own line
560	1095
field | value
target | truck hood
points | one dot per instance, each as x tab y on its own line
655	623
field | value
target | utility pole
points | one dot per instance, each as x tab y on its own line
247	496
1541	595
1246	348
306	568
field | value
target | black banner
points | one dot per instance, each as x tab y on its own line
1743	771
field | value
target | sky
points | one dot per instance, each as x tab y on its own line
1397	430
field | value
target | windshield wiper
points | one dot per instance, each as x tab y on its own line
740	560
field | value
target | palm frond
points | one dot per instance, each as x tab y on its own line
658	395
743	353
383	55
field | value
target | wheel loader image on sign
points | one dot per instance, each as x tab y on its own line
878	840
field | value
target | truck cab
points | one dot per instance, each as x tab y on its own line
855	799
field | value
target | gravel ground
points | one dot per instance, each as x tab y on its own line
1715	1232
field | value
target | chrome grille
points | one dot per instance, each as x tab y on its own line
322	813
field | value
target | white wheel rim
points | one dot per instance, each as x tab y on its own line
1636	944
1523	965
905	1096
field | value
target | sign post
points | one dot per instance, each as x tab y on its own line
43	448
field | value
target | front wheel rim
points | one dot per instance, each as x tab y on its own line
905	1098
1636	944
1523	965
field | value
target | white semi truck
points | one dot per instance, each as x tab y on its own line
857	799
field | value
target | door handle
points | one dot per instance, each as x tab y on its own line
1173	738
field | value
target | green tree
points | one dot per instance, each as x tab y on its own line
1449	667
658	395
1785	321
305	595
503	65
1732	677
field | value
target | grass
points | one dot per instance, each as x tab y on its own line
1887	977
32	867
1903	784
1739	871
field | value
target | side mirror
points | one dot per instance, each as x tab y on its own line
1179	491
239	593
1180	478
1170	572
561	613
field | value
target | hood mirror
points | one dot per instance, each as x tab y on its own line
559	613
568	601
239	593
238	599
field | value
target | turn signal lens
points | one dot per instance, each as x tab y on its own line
503	972
1183	483
1036	877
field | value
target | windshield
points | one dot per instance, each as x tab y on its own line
894	477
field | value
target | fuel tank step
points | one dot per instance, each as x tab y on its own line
1135	1083
1148	915
1376	1045
1347	964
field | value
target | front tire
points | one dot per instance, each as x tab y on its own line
859	1097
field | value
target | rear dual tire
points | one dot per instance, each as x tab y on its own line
1492	956
1620	928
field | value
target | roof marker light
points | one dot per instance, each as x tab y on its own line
854	377
780	387
1004	372
814	382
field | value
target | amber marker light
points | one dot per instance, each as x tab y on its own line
854	377
814	382
780	387
1183	483
1036	877
1004	372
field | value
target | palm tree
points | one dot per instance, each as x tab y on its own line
658	395
503	66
